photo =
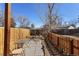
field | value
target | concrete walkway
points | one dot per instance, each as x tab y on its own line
34	46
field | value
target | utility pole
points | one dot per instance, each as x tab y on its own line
7	29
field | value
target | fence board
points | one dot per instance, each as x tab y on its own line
68	44
16	34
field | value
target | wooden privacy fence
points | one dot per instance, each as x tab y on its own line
68	44
15	34
65	31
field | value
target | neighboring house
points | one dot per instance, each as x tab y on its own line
71	27
67	27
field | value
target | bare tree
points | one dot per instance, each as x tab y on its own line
50	10
13	24
24	22
1	19
49	19
32	26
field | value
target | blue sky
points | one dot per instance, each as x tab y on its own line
26	10
68	11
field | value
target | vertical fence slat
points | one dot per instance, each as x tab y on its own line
68	44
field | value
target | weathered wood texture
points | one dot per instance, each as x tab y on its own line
15	34
69	45
7	29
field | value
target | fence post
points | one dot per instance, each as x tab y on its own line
71	47
57	42
7	29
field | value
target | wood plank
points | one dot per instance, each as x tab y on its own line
7	29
